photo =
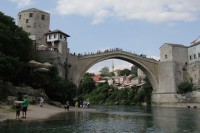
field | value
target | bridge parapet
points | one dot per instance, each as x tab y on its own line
112	51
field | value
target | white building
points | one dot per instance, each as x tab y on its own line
110	81
141	73
193	67
194	51
57	40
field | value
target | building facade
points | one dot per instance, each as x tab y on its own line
193	67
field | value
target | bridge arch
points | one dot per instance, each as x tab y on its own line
147	65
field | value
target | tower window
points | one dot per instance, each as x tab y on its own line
30	15
20	16
190	57
165	56
60	36
43	17
26	20
194	56
54	35
49	36
198	54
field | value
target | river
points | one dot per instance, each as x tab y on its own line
114	119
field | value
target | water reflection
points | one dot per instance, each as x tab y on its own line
176	120
115	119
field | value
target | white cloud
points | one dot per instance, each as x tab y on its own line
154	57
100	16
149	10
22	3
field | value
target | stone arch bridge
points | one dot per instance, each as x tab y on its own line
161	74
80	64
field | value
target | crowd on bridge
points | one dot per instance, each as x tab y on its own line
98	52
107	51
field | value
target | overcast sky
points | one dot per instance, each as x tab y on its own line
140	26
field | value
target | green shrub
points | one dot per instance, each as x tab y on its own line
4	93
185	87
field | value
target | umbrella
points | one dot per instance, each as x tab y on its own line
41	47
41	70
34	63
46	65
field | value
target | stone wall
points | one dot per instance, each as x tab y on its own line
167	82
194	71
55	58
190	97
17	92
188	100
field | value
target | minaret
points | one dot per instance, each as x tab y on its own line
113	68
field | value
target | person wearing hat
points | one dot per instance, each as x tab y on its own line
25	106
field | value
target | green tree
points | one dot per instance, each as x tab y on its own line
87	84
144	93
13	40
104	71
185	87
9	67
4	92
60	90
125	72
99	94
88	75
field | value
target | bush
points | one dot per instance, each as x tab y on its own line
4	93
185	87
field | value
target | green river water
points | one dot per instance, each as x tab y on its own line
114	119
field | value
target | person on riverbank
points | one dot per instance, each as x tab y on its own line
76	104
67	105
41	101
88	104
25	106
18	109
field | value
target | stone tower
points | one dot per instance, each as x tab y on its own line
173	58
36	23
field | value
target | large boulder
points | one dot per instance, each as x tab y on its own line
27	90
11	99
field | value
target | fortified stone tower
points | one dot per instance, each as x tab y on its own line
35	22
173	58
